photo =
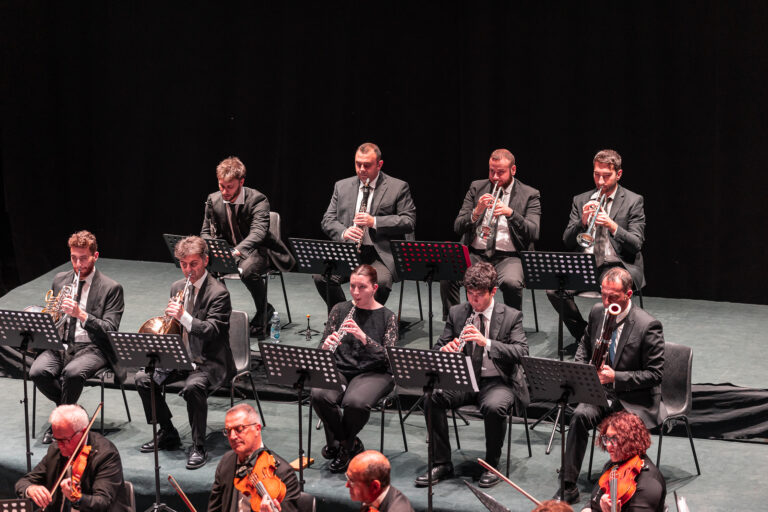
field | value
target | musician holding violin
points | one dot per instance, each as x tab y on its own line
250	476
96	482
637	483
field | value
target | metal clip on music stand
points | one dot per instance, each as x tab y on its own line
300	367
220	259
151	351
564	382
430	261
430	370
23	505
24	330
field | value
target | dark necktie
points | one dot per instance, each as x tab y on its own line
364	202
233	223
70	338
490	243
477	350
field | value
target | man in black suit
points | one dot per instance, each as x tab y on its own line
101	485
371	209
619	236
90	312
493	337
240	215
242	426
368	483
498	235
631	373
203	314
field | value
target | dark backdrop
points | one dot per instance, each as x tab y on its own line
115	114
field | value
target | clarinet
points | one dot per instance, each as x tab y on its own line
470	321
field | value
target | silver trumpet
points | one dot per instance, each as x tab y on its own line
587	238
483	231
363	209
342	331
470	321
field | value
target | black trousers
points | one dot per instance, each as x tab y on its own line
336	294
195	392
495	400
585	417
60	375
252	268
363	391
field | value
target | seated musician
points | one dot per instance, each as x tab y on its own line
624	436
358	331
496	342
242	426
368	483
100	472
92	311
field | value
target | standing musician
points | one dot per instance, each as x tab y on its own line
497	227
242	426
368	483
358	332
240	215
95	311
204	318
97	468
631	372
369	209
624	436
492	335
619	235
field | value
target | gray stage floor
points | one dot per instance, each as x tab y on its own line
714	330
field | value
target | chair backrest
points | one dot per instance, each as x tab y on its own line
676	383
239	340
274	225
306	502
131	497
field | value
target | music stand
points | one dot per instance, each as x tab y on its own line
17	505
564	382
300	367
430	261
221	261
151	351
430	370
23	330
326	257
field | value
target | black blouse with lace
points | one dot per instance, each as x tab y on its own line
380	328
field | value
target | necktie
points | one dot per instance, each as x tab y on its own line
237	237
612	347
189	305
477	350
73	321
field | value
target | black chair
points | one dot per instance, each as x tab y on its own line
240	343
128	486
306	502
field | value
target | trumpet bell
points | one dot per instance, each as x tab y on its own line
585	240
156	325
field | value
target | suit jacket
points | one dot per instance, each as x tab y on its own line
220	499
253	222
509	344
102	480
391	204
628	212
395	501
650	494
639	361
523	224
209	336
105	307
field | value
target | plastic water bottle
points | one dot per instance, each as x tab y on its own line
274	328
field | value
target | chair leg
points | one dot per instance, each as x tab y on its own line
34	408
258	402
693	449
381	430
125	401
102	401
535	313
661	439
527	434
418	296
400	302
402	422
591	454
456	429
232	391
266	320
509	440
285	298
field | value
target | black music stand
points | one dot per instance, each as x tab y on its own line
17	505
151	351
221	261
430	370
564	382
430	261
24	330
300	367
325	257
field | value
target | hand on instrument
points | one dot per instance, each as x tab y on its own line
236	253
363	219
502	209
606	374
351	327
451	346
586	211
605	503
353	233
485	202
266	508
39	495
66	489
470	333
331	341
604	220
174	309
72	308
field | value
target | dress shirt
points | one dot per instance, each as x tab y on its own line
372	186
503	238
81	335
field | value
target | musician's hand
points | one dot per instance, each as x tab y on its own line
485	202
470	333
604	220
606	374
266	508
451	346
353	233
66	489
174	309
39	495
351	327
72	308
605	503
502	209
363	219
330	341
586	211
236	253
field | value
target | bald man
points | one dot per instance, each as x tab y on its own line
368	483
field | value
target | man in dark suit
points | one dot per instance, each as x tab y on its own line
203	314
101	485
497	236
619	235
242	426
631	373
492	335
371	209
240	215
90	312
368	483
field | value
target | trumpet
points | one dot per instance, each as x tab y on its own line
342	331
604	341
462	340
363	209
587	238
166	324
53	303
483	231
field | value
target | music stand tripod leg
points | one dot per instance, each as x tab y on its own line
23	348
156	506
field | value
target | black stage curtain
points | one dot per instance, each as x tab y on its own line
115	114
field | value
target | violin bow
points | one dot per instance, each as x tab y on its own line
510	482
183	496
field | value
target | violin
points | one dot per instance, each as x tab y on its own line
78	467
262	483
620	482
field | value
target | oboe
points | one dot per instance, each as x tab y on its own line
342	330
363	209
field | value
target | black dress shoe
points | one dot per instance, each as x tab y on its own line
358	447
167	439
439	472
571	494
257	331
489	479
48	436
340	463
197	458
329	452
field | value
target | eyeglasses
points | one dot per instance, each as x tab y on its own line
238	429
605	440
66	439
